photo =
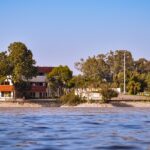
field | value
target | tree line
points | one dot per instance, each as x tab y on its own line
106	70
102	70
109	69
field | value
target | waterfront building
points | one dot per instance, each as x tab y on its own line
38	86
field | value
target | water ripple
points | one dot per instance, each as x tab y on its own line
74	128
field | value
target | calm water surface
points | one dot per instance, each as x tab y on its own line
74	128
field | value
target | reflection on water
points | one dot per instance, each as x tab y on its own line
74	128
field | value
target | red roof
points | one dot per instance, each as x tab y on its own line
44	69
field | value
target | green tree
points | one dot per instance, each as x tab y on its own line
59	79
142	65
5	68
106	68
115	60
22	64
94	69
133	87
109	68
107	93
79	81
71	99
134	83
148	81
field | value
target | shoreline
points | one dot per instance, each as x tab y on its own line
40	104
84	105
120	101
30	103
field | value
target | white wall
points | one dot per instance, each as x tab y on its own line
88	94
38	79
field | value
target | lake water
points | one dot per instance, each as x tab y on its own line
74	128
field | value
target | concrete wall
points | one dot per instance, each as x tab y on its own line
88	94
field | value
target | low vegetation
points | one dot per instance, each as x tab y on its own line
71	99
107	94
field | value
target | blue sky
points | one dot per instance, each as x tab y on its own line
63	31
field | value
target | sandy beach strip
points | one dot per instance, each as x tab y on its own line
116	104
17	104
30	103
106	105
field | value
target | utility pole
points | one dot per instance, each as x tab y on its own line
124	73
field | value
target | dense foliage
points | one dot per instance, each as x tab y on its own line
22	62
59	80
71	99
108	68
107	93
17	64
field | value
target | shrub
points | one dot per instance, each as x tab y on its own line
107	94
71	99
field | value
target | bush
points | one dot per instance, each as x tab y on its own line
71	99
107	94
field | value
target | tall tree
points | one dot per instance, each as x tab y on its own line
22	64
116	61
